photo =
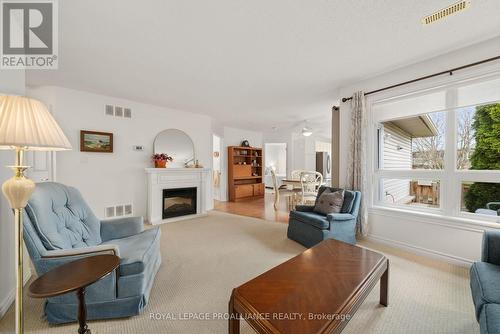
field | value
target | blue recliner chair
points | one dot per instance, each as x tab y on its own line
484	283
310	228
59	227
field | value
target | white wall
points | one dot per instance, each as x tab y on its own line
304	152
11	82
234	137
301	151
451	240
107	179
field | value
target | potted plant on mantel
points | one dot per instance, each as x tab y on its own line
161	160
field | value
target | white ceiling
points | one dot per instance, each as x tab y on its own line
250	63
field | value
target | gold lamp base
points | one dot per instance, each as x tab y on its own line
18	190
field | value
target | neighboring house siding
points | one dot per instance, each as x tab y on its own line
396	159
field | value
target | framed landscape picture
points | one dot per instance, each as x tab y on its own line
93	141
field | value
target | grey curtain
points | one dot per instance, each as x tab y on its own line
356	168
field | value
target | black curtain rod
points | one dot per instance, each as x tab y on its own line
450	72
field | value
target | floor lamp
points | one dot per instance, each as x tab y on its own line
25	124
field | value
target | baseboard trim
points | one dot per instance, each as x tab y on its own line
457	260
7	302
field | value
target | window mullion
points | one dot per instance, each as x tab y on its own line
449	199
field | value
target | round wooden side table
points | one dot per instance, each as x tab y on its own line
74	276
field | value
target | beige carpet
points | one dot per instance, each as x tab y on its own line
203	259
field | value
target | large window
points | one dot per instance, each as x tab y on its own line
439	150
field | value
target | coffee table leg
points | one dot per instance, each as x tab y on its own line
234	320
384	287
82	312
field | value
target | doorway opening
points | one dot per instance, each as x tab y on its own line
323	160
275	156
216	167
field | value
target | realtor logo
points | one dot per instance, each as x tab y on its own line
29	34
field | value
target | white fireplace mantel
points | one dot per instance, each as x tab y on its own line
174	178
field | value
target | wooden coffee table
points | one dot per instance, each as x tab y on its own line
317	291
74	276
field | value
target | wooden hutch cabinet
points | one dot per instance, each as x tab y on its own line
245	173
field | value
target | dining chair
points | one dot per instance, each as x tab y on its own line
276	189
310	181
295	175
290	195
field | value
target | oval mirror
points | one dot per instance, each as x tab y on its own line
177	144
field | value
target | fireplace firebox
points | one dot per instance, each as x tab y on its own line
179	202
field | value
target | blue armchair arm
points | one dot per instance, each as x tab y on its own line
304	208
54	258
121	227
332	217
491	247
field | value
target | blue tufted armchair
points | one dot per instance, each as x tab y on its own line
309	228
484	278
59	227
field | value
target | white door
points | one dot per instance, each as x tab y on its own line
41	165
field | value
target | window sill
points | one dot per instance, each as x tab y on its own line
436	219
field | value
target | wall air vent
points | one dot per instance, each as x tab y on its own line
117	111
128	209
445	12
109	212
119	210
109	110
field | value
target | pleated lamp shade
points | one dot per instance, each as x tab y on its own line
27	123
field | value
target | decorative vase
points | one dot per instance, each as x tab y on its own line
160	163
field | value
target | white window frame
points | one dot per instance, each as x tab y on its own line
450	177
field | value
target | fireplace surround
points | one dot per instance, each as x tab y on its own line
173	179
